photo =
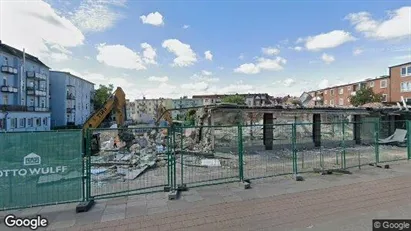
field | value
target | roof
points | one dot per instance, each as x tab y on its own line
223	95
16	52
348	84
65	72
400	65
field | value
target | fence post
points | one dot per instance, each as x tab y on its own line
376	138
240	153
408	139
343	164
88	165
294	144
168	187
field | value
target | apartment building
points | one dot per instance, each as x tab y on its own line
340	95
262	99
146	110
71	99
184	102
400	76
24	91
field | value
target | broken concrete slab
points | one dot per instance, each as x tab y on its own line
133	174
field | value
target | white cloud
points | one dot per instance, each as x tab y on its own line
197	86
324	84
262	64
155	19
205	76
186	26
158	79
270	51
35	26
241	57
149	53
297	48
208	55
327	58
396	26
119	56
331	39
357	51
185	55
288	82
96	16
239	87
204	72
87	57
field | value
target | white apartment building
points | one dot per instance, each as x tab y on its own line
71	99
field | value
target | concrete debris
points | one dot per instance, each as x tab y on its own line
131	175
97	171
210	162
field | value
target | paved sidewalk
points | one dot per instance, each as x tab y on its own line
280	203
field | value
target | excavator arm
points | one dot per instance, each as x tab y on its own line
116	102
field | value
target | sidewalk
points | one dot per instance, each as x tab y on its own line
318	203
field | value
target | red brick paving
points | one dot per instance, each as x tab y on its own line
274	213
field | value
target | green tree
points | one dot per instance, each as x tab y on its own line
237	99
365	95
101	95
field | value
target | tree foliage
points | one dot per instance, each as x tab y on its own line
101	95
365	95
237	99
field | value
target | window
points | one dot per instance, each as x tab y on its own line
43	103
405	87
341	91
325	102
2	123
325	92
6	61
30	122
13	123
341	101
384	98
332	92
383	83
38	122
4	81
22	123
348	100
45	121
23	102
405	71
5	99
349	88
372	84
31	102
332	102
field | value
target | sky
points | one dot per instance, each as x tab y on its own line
182	48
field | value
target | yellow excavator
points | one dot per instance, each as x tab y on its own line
117	103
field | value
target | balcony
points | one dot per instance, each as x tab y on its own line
353	93
36	92
9	89
36	75
9	69
13	108
70	110
70	96
38	109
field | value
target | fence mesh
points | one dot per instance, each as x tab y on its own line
259	162
395	149
131	160
206	155
40	168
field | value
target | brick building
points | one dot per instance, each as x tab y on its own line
392	87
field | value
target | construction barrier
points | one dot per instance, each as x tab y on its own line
42	168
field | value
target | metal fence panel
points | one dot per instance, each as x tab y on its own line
396	149
137	164
206	155
40	168
259	162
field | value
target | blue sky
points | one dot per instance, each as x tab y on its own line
157	48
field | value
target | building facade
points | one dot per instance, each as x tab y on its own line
184	102
262	99
146	110
400	76
24	93
340	95
71	99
